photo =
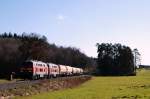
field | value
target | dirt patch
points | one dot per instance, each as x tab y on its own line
139	86
129	97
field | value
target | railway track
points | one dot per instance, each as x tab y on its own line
15	85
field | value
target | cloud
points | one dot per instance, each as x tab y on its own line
60	18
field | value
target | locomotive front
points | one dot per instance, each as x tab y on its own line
27	70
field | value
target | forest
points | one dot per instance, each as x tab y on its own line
116	59
15	49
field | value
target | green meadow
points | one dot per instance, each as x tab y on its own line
126	87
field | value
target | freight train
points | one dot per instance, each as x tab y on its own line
33	69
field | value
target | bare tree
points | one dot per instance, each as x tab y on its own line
137	58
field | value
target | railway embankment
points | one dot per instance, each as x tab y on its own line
32	87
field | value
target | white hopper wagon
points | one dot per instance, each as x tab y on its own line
69	70
62	70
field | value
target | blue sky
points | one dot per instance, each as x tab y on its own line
81	23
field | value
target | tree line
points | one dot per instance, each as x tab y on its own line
15	49
115	59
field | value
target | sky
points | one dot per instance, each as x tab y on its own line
81	23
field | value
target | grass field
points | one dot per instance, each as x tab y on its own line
128	87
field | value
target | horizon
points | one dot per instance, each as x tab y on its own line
81	24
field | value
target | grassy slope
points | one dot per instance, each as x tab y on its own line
136	87
4	81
